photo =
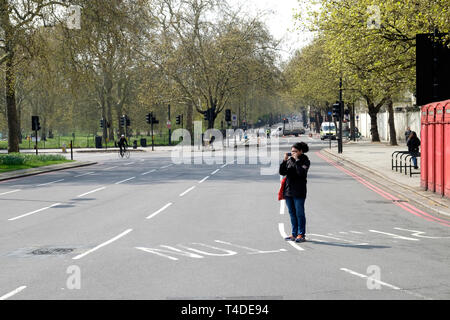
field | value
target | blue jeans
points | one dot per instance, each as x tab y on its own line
414	158
296	207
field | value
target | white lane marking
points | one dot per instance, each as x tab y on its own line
395	236
204	179
84	174
9	192
85	194
282	206
110	168
356	232
165	167
46	184
342	232
284	235
215	172
12	293
120	182
419	234
224	165
363	276
145	173
159	211
37	211
103	244
127	164
188	190
334	238
252	251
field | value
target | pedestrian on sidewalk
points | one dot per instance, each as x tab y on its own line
407	134
413	148
295	167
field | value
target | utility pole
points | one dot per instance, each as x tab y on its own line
169	125
341	116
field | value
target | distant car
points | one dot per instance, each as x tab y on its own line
328	131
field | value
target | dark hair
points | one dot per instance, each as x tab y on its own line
301	146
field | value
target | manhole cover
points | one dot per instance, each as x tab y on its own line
51	251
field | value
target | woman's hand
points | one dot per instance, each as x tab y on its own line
286	157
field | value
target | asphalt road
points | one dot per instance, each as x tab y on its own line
145	228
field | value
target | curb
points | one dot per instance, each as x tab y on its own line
358	165
46	169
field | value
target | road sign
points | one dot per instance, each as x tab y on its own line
234	120
169	124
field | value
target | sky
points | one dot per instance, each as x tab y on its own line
280	21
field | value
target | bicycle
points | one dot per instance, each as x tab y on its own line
124	154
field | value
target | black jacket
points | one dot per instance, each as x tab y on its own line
296	172
413	145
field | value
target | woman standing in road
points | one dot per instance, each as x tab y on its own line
295	167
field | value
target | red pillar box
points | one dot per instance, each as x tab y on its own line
431	147
439	148
447	149
424	150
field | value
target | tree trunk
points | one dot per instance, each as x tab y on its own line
10	84
373	112
189	120
392	132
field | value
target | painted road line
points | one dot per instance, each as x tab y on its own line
282	206
204	179
9	192
129	163
165	167
215	172
85	194
103	244
120	182
12	293
148	172
356	232
395	236
224	165
110	168
84	174
252	250
363	276
330	237
159	211
31	213
419	234
284	235
187	191
46	184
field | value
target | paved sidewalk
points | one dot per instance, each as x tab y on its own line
374	160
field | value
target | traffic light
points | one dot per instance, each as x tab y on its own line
102	123
178	119
35	125
128	121
122	121
228	115
206	115
149	117
337	110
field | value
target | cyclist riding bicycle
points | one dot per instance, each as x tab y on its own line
123	143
